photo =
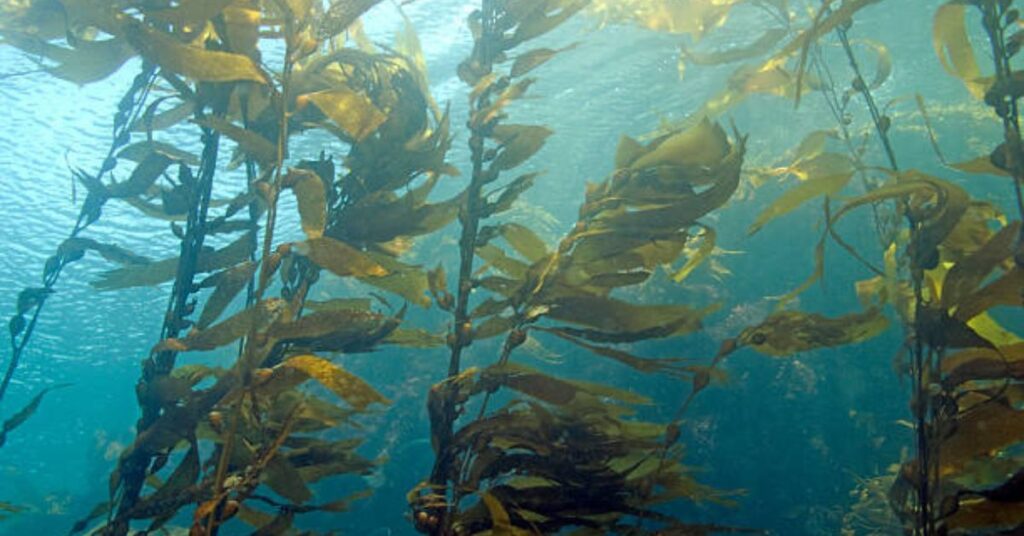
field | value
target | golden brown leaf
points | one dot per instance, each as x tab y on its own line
282	477
619	321
139	151
352	111
110	252
497	258
336	330
968	273
154	273
792	198
1005	290
540	21
340	258
253	319
346	385
143	176
405	280
415	338
310	193
953	47
627	152
518	144
977	436
529	61
196	63
549	388
643	364
228	284
501	524
524	241
976	515
88	61
258	147
707	246
25	412
981	165
703	145
785	333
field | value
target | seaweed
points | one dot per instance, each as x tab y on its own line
32	300
501	470
517	448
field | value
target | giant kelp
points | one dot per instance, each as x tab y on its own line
262	429
215	437
565	454
946	273
517	448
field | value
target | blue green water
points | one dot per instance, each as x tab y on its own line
793	433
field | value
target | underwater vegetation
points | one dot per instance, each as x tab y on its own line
296	164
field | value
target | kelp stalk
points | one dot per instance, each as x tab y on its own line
129	108
266	269
881	128
133	468
469	218
1004	101
922	365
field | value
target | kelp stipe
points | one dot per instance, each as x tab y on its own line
257	421
519	449
953	262
965	401
214	438
565	454
31	301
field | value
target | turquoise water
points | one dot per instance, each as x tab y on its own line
794	434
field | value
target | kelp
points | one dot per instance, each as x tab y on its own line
31	300
944	276
785	333
822	175
969	422
953	48
499	471
24	413
694	18
541	451
239	424
871	513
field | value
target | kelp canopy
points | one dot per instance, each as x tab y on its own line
315	200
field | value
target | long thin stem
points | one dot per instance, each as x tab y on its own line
469	218
133	468
927	475
1007	108
249	345
123	122
861	86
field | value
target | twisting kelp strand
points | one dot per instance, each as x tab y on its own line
668	355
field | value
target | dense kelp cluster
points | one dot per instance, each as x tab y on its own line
264	430
517	449
948	265
560	453
216	437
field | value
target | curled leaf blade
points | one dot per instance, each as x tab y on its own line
339	381
310	193
352	111
191	61
340	258
797	196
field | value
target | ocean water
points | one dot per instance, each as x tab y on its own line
794	436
